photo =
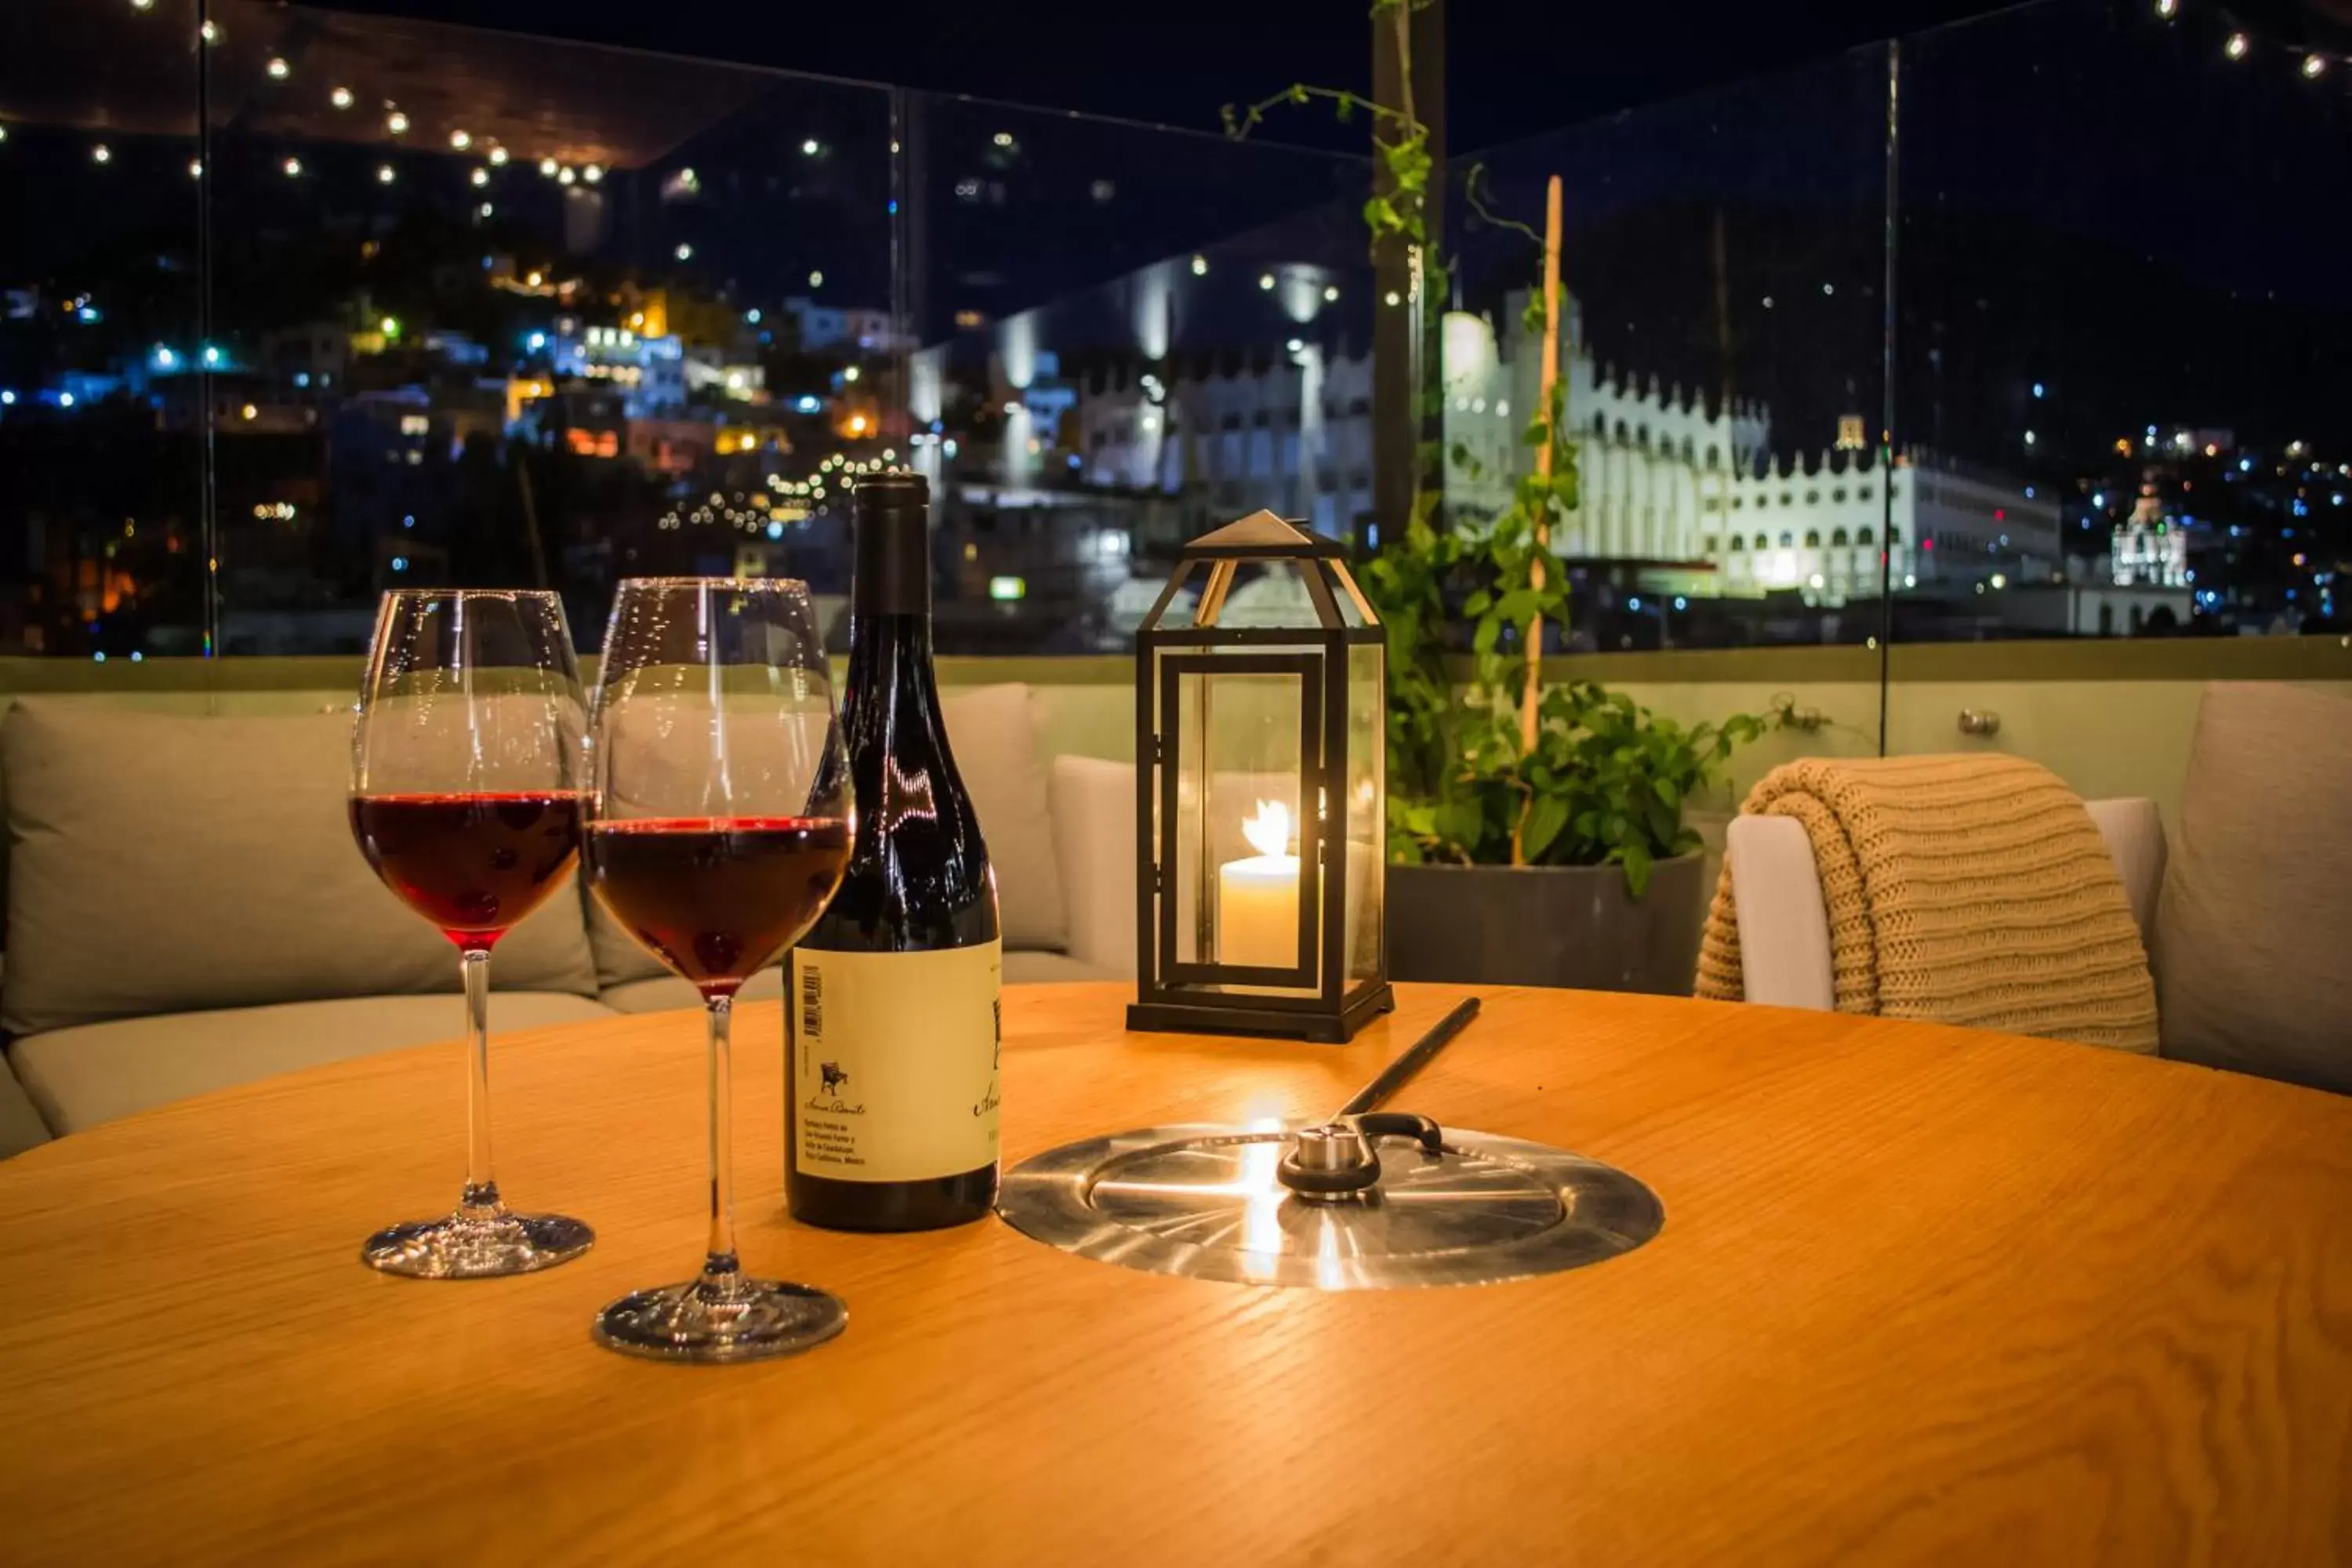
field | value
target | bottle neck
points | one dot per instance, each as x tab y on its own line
893	570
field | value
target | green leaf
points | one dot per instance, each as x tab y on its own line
1545	816
1637	869
1668	793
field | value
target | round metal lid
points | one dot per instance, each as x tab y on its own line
1207	1203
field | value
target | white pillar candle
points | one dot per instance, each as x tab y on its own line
1257	897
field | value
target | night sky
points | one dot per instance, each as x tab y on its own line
1177	65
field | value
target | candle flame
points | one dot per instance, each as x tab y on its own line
1269	831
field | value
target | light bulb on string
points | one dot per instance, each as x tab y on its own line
2314	66
341	97
2237	47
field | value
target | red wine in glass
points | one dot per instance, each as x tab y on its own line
719	824
473	864
466	796
716	899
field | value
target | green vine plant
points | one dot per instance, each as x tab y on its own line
1601	781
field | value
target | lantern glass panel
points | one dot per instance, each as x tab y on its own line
1366	809
1270	596
1234	844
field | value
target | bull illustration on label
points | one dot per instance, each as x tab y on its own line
834	1076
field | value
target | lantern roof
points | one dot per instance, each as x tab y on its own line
1304	586
1260	535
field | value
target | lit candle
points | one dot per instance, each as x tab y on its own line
1257	897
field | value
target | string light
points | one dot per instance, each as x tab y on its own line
481	176
1200	267
2236	47
386	174
565	176
396	123
593	174
211	32
2168	9
341	97
460	139
277	69
293	166
195	168
498	156
101	154
2312	65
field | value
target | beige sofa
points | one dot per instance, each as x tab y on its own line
186	910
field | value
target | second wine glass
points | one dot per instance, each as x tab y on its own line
719	826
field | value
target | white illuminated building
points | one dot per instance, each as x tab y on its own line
1697	493
2146	550
1689	496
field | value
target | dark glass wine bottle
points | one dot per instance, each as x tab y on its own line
891	1022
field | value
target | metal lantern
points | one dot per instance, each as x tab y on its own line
1261	792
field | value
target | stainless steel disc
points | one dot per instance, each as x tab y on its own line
1206	1203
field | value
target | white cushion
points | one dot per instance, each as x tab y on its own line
2256	913
992	731
21	1126
84	1076
1094	827
162	863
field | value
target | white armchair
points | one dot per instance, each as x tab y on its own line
1784	926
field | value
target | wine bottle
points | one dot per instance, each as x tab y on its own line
891	1022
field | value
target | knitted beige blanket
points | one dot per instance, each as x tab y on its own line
1964	889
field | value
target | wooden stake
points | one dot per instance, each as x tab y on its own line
1532	647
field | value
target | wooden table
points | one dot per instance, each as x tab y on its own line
1922	1294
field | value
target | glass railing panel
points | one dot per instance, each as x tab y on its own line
2123	322
1722	336
1125	335
508	312
103	534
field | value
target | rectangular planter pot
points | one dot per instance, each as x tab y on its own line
1548	925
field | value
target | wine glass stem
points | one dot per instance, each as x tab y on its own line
720	1268
481	1186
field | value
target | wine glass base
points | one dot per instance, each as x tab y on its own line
474	1245
740	1319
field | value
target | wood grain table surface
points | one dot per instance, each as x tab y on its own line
1923	1295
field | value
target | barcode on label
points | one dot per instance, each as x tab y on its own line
812	1002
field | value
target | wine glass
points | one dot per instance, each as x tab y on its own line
467	797
718	826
